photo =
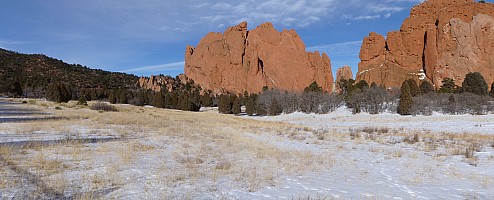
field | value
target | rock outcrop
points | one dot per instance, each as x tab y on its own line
344	72
240	60
156	83
441	38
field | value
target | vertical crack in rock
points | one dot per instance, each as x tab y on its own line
424	67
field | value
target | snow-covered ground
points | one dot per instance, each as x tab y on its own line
343	119
164	154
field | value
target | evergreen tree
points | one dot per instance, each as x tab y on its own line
475	83
448	86
405	104
362	85
373	85
58	92
224	105
168	100
414	89
159	102
112	98
16	89
174	100
194	99
206	99
313	87
122	97
250	105
236	106
347	86
491	93
426	87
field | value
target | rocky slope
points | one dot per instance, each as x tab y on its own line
240	60
441	38
156	83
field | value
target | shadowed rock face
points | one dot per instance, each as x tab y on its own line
441	38
239	60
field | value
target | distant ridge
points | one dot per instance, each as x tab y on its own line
34	72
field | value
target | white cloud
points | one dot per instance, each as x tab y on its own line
158	68
103	33
339	49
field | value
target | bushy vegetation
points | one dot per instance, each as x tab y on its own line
102	106
37	76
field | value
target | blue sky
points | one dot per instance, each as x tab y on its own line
145	37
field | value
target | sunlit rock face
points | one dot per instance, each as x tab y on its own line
441	38
240	60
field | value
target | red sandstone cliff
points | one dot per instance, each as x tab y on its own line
240	60
441	38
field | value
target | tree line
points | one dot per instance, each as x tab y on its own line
472	97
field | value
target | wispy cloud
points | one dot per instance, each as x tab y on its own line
158	68
127	33
350	48
344	53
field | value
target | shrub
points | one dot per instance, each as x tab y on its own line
426	87
406	101
274	108
82	101
475	83
101	106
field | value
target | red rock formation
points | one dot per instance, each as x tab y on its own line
344	72
155	83
441	38
241	60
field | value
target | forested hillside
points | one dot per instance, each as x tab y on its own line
30	75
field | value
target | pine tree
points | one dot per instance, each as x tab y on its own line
236	107
405	104
475	83
362	85
224	105
122	97
414	89
175	100
426	87
250	105
112	98
448	86
158	100
313	87
167	100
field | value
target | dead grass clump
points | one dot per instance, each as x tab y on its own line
471	149
223	166
412	140
101	106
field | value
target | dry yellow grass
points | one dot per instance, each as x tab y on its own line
178	148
